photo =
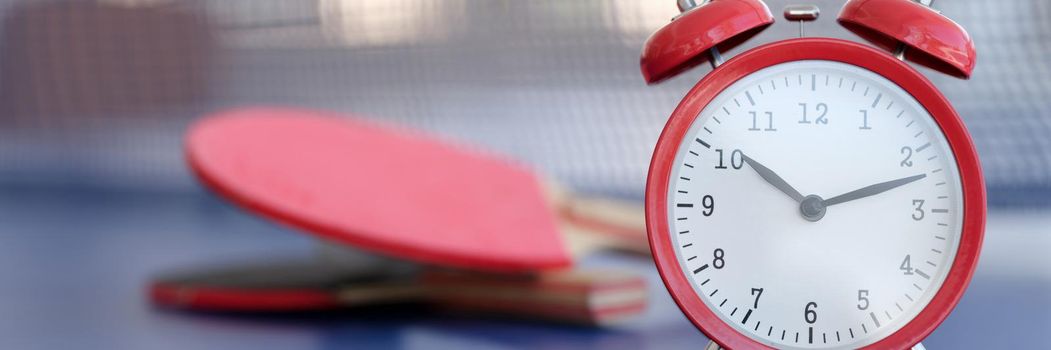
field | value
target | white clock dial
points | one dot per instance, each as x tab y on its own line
815	204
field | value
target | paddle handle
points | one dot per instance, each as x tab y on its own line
577	297
613	223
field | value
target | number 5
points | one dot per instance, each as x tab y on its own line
863	299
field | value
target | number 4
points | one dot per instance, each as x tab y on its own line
906	265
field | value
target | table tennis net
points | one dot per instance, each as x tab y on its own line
100	92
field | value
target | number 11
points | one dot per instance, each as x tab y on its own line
755	121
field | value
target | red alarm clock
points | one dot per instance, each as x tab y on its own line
814	193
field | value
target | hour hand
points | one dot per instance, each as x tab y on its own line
771	177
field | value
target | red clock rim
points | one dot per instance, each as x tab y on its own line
832	50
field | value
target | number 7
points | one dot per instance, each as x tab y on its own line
757	292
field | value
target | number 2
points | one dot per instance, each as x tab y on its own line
907	162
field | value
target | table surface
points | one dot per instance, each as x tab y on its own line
74	263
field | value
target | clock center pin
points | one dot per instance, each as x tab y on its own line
812	207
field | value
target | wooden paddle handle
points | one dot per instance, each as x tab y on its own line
605	222
578	297
620	223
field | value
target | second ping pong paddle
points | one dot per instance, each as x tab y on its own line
317	284
397	192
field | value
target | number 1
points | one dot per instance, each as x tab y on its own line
864	120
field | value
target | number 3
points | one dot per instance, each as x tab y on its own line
918	214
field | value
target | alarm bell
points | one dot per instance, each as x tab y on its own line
933	40
688	39
910	29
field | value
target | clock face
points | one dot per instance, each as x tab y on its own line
815	204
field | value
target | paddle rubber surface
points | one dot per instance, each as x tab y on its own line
391	191
311	284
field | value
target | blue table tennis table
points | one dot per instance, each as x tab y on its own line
74	263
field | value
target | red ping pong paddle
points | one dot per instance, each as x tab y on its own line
397	192
315	284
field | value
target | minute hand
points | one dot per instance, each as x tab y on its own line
871	190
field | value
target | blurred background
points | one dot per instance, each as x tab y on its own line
95	96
